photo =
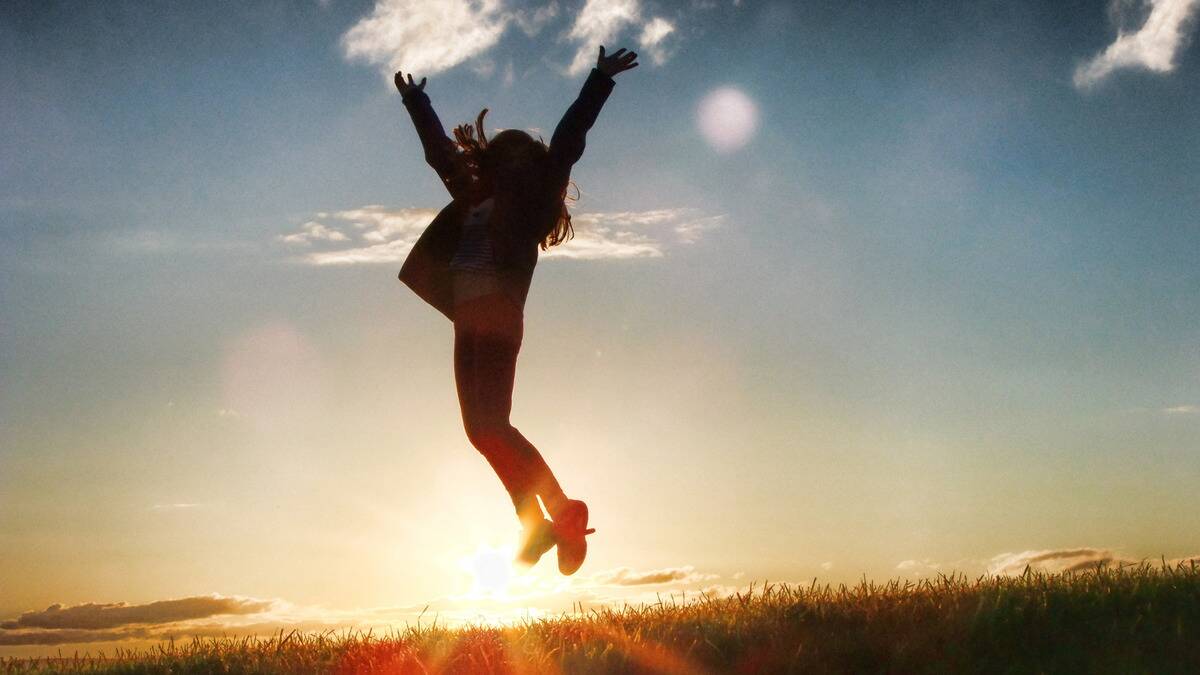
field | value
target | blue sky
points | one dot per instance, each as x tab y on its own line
938	311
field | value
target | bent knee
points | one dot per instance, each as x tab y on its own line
485	433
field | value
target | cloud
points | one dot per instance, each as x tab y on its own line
93	616
653	34
1152	47
310	232
381	234
922	567
175	507
425	36
380	224
1183	410
599	23
533	21
61	637
624	576
1054	561
432	36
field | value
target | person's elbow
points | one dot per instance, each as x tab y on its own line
567	152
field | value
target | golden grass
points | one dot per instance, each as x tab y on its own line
1127	620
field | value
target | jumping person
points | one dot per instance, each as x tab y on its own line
474	263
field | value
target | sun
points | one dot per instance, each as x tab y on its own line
491	570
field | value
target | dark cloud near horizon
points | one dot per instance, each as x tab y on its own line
11	638
93	616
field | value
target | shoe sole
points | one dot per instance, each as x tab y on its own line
572	544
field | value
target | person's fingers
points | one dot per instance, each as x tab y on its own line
601	51
617	54
423	81
630	56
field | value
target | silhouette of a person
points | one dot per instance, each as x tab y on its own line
474	263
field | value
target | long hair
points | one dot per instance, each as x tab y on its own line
519	193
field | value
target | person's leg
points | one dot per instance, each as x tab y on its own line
487	341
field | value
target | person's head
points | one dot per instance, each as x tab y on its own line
510	154
509	166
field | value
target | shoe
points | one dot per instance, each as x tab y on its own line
570	528
535	540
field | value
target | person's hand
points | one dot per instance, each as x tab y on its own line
617	63
405	87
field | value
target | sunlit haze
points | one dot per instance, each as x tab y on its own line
858	289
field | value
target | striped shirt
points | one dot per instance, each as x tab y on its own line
475	244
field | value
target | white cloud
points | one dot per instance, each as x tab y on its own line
386	235
624	576
1152	47
533	21
432	36
1054	561
653	33
919	568
310	232
690	231
425	36
603	242
380	224
390	252
599	23
1183	410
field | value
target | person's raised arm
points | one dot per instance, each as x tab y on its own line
440	152
568	141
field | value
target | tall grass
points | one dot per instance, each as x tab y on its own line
1131	620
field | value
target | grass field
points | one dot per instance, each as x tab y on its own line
1133	620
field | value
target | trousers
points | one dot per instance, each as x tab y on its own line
487	339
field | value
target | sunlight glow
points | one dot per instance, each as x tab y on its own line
727	119
491	571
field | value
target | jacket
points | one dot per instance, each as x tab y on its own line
426	270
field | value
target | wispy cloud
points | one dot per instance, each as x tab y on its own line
310	232
432	36
1054	561
425	36
920	568
1182	410
624	576
654	39
177	506
379	234
599	23
532	21
1153	47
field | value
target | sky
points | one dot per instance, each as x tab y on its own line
858	289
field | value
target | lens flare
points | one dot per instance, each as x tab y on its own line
727	119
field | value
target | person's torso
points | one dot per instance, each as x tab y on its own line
475	251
